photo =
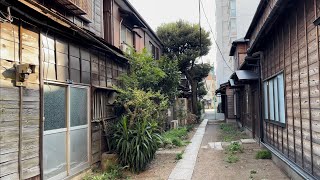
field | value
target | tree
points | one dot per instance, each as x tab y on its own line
181	41
202	90
170	83
149	74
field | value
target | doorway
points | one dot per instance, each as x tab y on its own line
66	130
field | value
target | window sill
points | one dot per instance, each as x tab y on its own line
275	123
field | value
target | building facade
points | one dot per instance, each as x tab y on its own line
283	113
59	64
232	21
210	85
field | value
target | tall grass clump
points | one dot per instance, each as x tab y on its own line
136	146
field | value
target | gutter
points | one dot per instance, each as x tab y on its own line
288	162
61	20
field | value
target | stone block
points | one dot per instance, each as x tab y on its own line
108	160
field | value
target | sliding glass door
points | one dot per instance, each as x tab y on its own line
66	130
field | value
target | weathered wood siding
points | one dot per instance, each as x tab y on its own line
66	60
260	21
293	46
97	24
14	149
230	103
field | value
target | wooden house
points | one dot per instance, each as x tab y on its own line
284	49
245	84
59	63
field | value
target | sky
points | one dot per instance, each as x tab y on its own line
157	12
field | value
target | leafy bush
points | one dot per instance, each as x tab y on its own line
263	154
235	147
136	145
175	137
232	158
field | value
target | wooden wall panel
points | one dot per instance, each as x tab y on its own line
293	47
230	103
13	149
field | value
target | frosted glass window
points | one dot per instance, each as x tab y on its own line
78	106
54	155
276	104
123	36
265	99
271	100
274	87
281	98
78	147
54	107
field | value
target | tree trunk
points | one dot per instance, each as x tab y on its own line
194	97
193	84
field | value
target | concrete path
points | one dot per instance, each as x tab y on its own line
211	114
185	166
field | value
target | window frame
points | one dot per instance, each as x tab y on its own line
127	31
266	95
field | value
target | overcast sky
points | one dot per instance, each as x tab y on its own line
157	12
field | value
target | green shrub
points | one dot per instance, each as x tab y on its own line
175	137
179	156
263	154
136	146
232	158
235	147
177	142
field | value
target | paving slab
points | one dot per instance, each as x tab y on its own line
216	145
247	141
184	168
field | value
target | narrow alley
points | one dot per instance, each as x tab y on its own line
212	163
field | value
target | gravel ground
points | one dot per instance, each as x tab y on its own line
211	163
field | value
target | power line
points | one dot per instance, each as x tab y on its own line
204	12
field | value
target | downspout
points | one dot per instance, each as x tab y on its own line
260	54
120	32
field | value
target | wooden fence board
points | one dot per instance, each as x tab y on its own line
8	168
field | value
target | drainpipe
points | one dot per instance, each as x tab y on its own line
260	54
120	32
